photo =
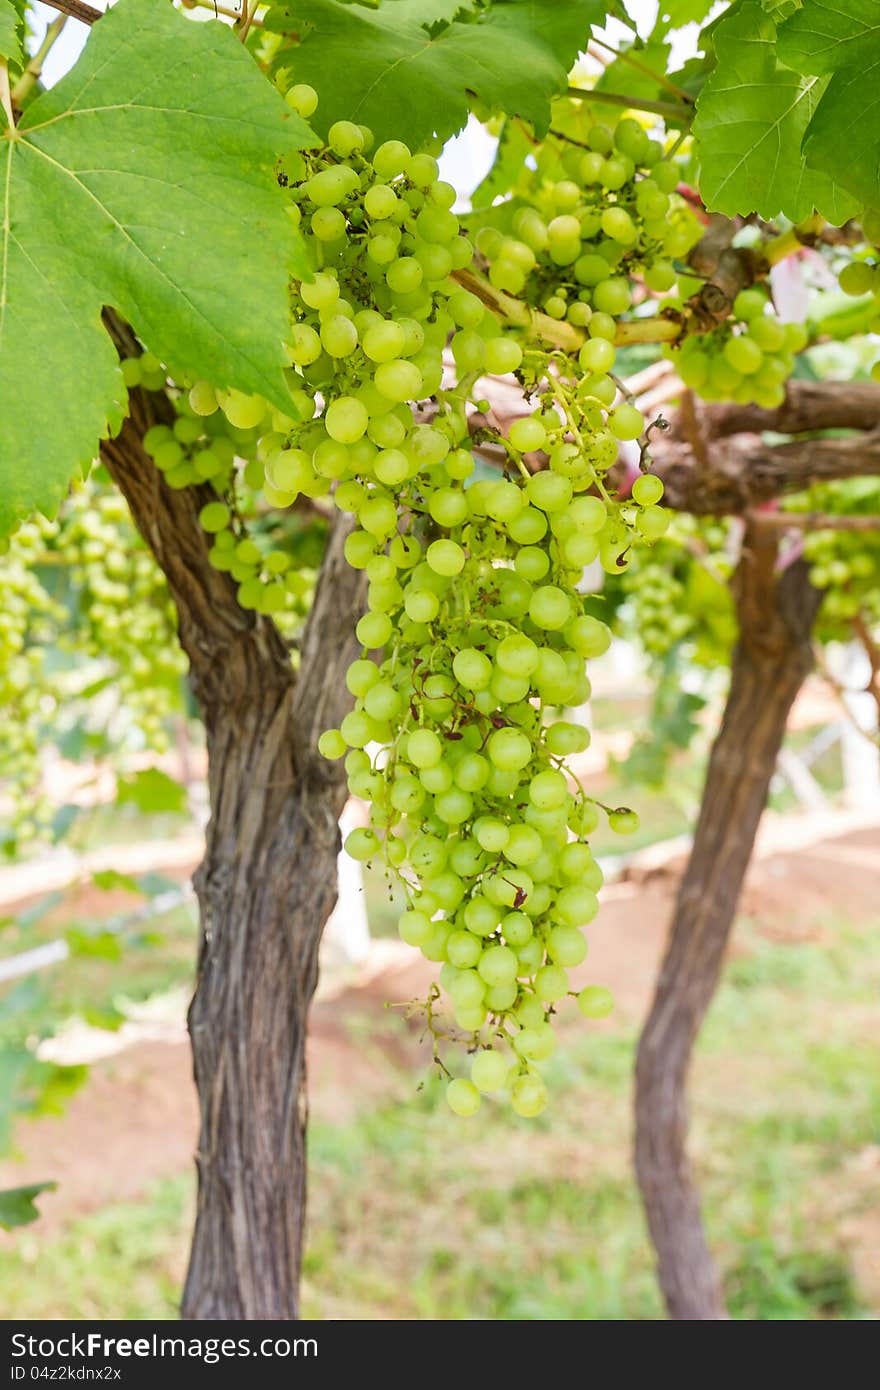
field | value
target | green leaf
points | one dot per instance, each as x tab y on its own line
407	77
751	119
843	44
141	181
152	884
622	77
675	13
102	945
10	32
17	1206
111	881
58	1084
152	791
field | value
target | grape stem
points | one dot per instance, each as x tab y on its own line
6	95
31	75
794	240
671	110
659	77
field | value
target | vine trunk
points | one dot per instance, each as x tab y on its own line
776	608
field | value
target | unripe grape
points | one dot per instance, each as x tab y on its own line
462	1097
472	668
550	607
529	435
361	844
857	278
489	1071
749	304
595	1001
551	984
445	557
509	750
203	399
743	354
214	517
647	489
626	422
374	629
399	380
302	99
596	355
346	420
537	1042
339	336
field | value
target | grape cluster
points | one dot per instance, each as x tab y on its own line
843	564
474	616
222	439
124	618
590	215
677	593
472	602
31	617
747	359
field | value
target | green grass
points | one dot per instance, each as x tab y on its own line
124	1261
415	1214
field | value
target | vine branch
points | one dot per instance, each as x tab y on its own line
813	521
672	110
77	9
659	77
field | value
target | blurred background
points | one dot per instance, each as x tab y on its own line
415	1213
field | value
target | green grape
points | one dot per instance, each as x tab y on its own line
623	821
595	1001
647	490
857	278
626	422
489	1070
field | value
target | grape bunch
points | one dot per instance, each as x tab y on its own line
125	619
677	593
478	632
28	684
843	564
591	215
746	359
472	605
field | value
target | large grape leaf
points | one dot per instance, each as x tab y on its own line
142	181
401	70
842	43
751	118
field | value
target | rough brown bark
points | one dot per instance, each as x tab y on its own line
773	656
746	472
265	887
808	405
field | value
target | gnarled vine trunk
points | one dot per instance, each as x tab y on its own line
265	887
776	610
